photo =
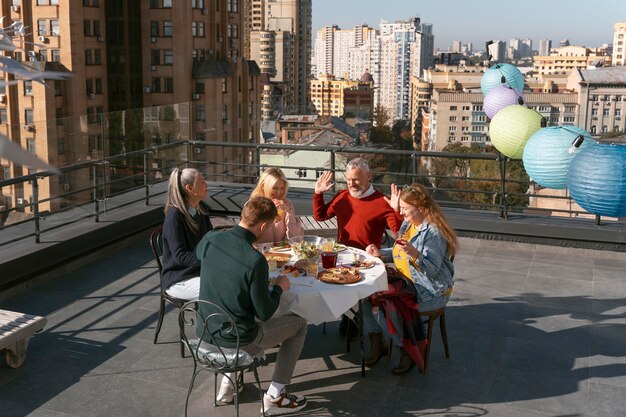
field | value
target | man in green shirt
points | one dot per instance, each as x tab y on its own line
234	275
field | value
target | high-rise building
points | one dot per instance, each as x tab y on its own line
456	46
497	50
333	47
619	43
177	65
545	45
281	32
337	97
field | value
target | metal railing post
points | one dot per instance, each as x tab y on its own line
35	206
96	201
414	167
145	178
333	166
503	198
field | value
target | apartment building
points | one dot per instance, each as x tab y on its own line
280	38
602	103
333	96
619	43
177	65
563	60
545	45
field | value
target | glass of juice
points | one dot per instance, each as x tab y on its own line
329	260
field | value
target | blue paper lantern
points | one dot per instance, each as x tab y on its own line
548	153
597	179
500	97
502	74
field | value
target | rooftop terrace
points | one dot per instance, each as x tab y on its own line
534	331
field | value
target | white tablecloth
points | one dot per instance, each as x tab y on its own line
318	301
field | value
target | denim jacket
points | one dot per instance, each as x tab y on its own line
436	272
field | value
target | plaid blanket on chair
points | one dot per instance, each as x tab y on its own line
401	312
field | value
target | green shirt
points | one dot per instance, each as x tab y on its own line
234	275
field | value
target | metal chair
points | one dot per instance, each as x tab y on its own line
209	324
156	243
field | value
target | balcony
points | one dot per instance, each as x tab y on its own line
535	324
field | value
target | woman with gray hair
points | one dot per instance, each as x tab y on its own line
186	222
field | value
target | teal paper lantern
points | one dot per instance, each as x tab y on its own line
511	128
502	74
500	97
548	153
597	179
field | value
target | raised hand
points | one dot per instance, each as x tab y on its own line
324	182
394	200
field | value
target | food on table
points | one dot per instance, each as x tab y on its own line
308	265
339	247
307	247
364	264
339	275
280	258
281	246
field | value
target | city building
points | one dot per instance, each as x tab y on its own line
545	45
519	48
333	96
177	65
602	93
619	43
563	60
280	39
497	50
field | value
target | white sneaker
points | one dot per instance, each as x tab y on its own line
226	393
284	404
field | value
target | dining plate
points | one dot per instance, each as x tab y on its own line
339	275
365	264
339	247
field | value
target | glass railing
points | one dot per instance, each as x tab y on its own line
481	181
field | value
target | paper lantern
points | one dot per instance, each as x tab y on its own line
500	97
511	128
502	74
548	153
597	179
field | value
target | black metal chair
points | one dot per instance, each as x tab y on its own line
208	323
156	243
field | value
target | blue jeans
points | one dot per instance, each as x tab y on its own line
376	322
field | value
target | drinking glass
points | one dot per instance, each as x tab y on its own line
329	260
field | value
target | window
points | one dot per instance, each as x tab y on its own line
167	28
233	6
28	116
6	172
42	27
156	85
88	57
87	27
605	112
59	115
31	146
55	55
453	118
97	57
168	57
451	139
154	28
592	130
155	57
224	85
452	108
466	108
3	116
197	4
98	85
28	88
96	28
168	85
225	113
200	112
89	86
199	88
197	29
54	28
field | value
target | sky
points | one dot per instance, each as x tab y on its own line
584	22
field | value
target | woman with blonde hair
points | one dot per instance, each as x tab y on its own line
273	185
186	222
422	279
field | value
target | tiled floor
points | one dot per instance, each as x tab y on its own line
533	330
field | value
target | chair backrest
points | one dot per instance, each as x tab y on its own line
156	243
209	324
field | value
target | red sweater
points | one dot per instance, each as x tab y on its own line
359	221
